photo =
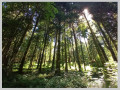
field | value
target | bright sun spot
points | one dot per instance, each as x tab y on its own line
80	17
88	68
87	14
72	67
85	11
84	40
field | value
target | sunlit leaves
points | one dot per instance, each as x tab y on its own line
82	27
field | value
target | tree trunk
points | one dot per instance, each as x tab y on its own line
28	45
57	72
73	50
69	59
4	53
66	66
45	41
87	50
110	37
98	52
30	65
109	45
15	51
53	61
82	53
39	58
44	58
62	54
97	44
77	54
50	52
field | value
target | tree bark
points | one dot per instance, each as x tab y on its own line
110	37
4	54
44	58
57	72
53	61
66	66
76	47
16	49
30	65
50	52
97	44
82	53
39	58
45	41
69	59
109	45
73	51
28	45
87	50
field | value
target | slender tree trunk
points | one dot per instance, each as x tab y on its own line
30	65
44	58
28	45
57	72
87	50
50	52
82	53
91	53
53	61
109	45
97	43
110	37
4	53
62	54
39	58
103	52
77	54
41	61
105	43
73	51
69	59
45	41
15	51
66	66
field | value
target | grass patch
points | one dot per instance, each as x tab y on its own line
66	80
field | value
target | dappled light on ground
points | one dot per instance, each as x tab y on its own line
59	44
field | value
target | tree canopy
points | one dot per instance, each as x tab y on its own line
58	40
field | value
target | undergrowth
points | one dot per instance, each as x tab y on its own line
66	80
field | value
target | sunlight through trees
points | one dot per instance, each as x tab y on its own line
59	44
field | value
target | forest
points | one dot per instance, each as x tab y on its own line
59	45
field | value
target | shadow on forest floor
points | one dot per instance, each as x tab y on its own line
94	78
35	80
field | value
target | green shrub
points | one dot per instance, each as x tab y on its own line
66	80
70	80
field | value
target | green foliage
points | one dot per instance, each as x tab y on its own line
70	80
49	10
24	41
82	27
110	74
24	81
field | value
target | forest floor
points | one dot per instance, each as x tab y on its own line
92	78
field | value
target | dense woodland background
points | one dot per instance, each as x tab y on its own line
59	44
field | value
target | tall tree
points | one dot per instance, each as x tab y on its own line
28	45
57	72
53	61
76	48
97	43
